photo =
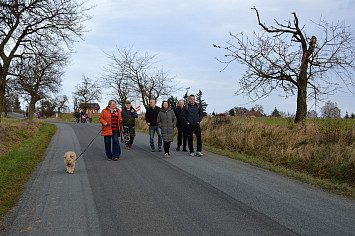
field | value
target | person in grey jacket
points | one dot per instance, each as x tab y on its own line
192	116
167	122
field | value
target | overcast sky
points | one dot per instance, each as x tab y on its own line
182	33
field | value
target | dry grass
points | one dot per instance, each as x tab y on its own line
14	131
325	150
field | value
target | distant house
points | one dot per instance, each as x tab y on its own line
94	107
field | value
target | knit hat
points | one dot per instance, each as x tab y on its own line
128	102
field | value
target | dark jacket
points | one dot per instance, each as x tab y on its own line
192	114
129	116
180	121
151	115
167	121
77	114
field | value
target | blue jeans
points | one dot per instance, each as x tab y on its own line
116	149
152	130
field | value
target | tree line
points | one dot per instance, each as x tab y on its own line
330	110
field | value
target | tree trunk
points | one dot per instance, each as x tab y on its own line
31	109
2	94
5	106
301	103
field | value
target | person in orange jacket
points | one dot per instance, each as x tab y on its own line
110	119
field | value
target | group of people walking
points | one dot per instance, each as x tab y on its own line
114	122
82	116
163	121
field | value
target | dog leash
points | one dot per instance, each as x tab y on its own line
91	142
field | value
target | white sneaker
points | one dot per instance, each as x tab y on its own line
166	155
192	154
199	154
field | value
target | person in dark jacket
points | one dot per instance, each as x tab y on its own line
129	116
192	115
166	121
151	116
181	127
77	116
82	116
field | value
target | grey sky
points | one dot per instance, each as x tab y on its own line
182	33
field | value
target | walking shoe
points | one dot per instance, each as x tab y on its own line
153	150
109	159
166	155
159	149
177	148
199	154
116	159
127	147
192	154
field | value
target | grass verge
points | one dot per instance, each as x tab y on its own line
338	188
17	165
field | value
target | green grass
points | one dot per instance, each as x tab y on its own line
68	117
17	166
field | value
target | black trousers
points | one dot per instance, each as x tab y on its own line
182	137
191	129
166	146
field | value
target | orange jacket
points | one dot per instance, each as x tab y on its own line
105	117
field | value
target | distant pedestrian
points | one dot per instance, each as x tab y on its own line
38	115
167	122
26	114
129	116
181	127
192	115
151	116
77	116
90	115
82	116
109	119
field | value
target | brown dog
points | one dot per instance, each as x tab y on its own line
69	161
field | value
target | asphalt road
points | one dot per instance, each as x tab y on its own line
145	194
15	115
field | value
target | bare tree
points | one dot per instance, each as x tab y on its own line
38	75
312	114
239	111
258	108
87	91
116	80
159	84
330	110
24	22
131	73
284	58
48	106
61	103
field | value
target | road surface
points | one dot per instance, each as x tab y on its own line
145	194
15	115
